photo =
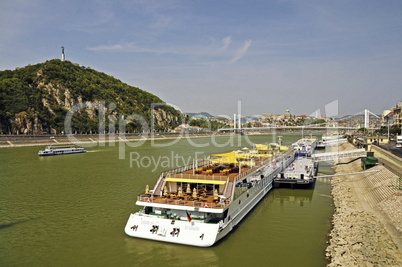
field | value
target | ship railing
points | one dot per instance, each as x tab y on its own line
279	159
178	172
186	168
199	177
222	203
158	185
226	187
229	191
255	168
233	190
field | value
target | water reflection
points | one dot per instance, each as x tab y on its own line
300	196
149	252
7	225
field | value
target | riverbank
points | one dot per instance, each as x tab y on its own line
82	139
367	222
46	140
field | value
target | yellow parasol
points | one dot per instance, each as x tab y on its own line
216	197
165	191
188	191
194	193
224	158
179	192
147	189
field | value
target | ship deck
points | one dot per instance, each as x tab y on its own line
222	177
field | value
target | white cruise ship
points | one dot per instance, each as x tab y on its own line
52	150
200	204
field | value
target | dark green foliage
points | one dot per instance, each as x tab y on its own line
206	124
45	91
394	130
362	130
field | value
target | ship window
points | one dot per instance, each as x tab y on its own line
225	214
148	210
210	187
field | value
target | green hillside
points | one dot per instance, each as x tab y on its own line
35	100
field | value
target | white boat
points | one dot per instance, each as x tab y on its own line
301	173
305	146
201	203
51	150
332	136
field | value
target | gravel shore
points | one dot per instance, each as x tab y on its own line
367	218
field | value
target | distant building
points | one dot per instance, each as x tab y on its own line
302	117
196	129
397	114
394	113
288	116
265	117
376	139
187	128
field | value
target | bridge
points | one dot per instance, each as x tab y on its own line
237	125
328	156
301	128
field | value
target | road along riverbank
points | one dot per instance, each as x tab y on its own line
389	160
367	221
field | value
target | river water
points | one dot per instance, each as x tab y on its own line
71	209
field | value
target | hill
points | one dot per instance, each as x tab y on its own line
36	99
200	115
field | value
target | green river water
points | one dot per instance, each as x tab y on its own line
70	210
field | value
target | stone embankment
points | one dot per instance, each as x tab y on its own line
367	222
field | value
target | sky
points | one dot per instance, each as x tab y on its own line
338	57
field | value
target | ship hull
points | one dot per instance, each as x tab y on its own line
60	153
191	233
242	209
294	184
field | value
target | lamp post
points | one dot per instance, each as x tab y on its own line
388	127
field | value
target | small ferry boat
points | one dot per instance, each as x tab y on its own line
57	150
201	203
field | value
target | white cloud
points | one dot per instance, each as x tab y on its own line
241	52
226	42
189	50
107	48
126	47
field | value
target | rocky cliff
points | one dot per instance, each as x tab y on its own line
37	99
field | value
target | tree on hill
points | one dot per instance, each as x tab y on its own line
47	91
